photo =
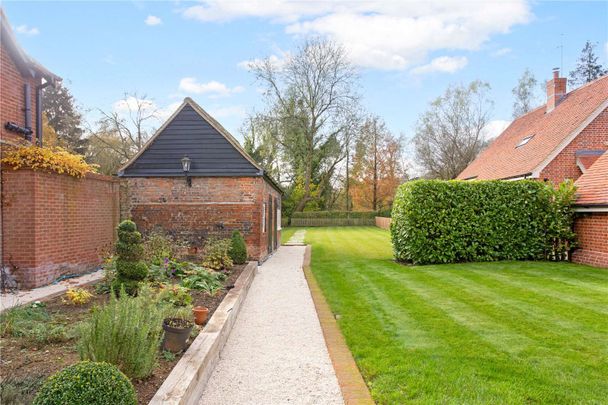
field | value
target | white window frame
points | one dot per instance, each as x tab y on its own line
264	218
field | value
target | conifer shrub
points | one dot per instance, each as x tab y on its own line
130	267
87	383
238	248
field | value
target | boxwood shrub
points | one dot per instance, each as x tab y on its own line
436	221
87	383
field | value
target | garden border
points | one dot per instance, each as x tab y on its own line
353	387
187	380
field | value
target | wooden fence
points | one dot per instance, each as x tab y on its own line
383	222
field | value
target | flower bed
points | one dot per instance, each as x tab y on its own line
42	338
27	360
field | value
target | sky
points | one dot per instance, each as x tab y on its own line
407	53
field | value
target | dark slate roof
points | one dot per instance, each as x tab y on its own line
191	132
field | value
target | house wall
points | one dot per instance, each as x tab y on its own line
594	136
12	100
212	207
55	224
592	232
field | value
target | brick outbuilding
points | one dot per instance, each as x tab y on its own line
222	190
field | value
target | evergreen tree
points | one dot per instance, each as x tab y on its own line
63	117
587	68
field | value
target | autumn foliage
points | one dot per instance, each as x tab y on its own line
54	159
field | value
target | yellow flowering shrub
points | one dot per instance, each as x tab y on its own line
54	159
77	296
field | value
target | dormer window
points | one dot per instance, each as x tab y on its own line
524	141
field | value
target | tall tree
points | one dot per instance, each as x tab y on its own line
312	103
62	115
377	166
125	129
524	94
587	67
450	134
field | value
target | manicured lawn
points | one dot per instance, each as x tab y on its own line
505	332
287	233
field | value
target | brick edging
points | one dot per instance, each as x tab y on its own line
353	388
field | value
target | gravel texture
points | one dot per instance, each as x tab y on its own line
276	353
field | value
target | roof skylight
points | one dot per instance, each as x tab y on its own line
524	141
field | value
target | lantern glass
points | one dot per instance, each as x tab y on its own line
186	164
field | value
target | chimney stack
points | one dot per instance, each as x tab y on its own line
556	90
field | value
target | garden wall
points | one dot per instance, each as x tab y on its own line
592	233
383	222
55	224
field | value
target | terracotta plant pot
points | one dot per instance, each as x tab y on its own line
200	315
177	331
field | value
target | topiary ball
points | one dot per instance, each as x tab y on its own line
87	383
127	226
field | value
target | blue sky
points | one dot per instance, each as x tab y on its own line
407	52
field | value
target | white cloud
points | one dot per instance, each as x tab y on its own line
501	52
376	34
131	103
165	113
606	47
213	88
235	111
444	64
495	128
25	30
153	20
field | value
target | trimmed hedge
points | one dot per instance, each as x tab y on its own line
87	383
435	221
334	214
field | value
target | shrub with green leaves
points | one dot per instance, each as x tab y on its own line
204	280
87	383
238	248
216	254
436	221
159	246
125	332
130	268
175	295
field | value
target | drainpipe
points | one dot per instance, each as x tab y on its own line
39	111
27	110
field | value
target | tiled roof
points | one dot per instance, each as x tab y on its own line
504	159
592	187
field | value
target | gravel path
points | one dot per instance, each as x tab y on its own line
276	353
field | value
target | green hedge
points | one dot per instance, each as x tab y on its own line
436	221
334	214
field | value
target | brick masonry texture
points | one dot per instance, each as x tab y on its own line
55	224
592	232
593	137
212	207
12	98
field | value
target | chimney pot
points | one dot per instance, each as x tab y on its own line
556	90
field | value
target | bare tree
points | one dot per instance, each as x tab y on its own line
126	129
524	94
449	134
313	100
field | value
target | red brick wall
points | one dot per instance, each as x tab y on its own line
54	224
213	206
594	136
12	98
592	232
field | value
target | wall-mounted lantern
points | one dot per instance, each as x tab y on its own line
186	168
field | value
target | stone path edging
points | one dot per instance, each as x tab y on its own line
45	293
354	390
189	376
